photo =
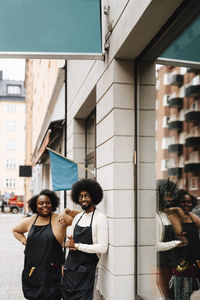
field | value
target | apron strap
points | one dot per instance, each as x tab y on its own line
80	218
37	218
92	217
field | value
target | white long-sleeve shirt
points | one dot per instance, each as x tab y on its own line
162	220
99	231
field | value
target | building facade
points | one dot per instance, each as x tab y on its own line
12	132
102	114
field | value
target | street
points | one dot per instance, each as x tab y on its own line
12	256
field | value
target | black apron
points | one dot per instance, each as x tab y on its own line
79	268
168	259
42	266
191	252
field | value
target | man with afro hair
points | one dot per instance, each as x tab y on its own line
88	242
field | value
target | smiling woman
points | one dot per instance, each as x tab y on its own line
186	277
43	252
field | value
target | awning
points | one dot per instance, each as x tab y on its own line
52	138
185	49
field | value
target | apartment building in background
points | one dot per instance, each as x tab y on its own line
12	133
40	82
178	127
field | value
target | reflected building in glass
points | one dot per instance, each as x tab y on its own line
178	127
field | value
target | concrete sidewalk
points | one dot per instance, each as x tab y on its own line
12	258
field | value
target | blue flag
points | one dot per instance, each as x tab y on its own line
64	172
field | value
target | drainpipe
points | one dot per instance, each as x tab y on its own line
135	179
65	128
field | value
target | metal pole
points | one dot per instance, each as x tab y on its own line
135	178
65	127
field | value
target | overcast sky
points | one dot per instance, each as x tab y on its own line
13	69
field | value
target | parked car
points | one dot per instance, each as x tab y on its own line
16	204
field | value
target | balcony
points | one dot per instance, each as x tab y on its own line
193	116
176	102
193	142
175	172
177	148
192	91
175	125
175	79
192	167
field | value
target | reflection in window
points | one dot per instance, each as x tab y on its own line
178	131
194	183
178	177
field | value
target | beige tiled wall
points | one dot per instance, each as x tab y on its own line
147	182
115	117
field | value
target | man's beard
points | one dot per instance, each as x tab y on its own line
85	207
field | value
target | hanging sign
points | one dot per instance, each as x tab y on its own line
50	28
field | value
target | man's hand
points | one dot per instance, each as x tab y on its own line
65	217
24	241
61	218
70	243
183	239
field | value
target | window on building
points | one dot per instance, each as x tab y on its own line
10	163
195	80
11	125
173	117
11	107
182	138
195	105
181	162
173	139
173	95
156	125
90	142
10	183
157	104
183	70
165	143
165	121
13	89
157	84
164	164
11	145
166	100
182	91
194	183
166	79
194	157
181	183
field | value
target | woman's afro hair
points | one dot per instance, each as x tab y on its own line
181	194
32	203
89	185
